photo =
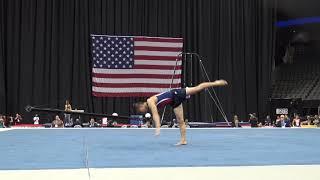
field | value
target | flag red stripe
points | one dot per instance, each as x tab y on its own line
148	48
98	94
157	76
167	58
142	85
158	39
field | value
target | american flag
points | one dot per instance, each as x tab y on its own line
134	66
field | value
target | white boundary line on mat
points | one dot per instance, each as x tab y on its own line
285	172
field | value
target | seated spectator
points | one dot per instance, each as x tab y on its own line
78	122
278	122
93	123
10	121
316	120
236	121
6	121
186	121
36	119
281	122
308	121
57	123
148	120
2	122
253	120
267	121
104	122
175	123
296	121
17	119
287	121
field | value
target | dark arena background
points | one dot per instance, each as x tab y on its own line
45	49
263	124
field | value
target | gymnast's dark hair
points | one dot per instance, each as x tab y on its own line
136	105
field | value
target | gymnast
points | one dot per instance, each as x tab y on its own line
174	98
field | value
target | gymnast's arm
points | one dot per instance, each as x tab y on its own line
154	111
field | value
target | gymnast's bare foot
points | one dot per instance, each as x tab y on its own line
181	143
221	82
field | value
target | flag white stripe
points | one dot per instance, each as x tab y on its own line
158	44
134	71
128	90
153	62
156	53
135	80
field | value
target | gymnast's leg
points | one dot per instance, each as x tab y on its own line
178	111
202	86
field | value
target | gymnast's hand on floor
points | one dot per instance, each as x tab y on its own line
157	132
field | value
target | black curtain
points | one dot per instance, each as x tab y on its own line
45	59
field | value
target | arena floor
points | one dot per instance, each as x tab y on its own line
137	154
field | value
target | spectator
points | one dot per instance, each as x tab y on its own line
281	121
267	121
186	121
6	121
175	123
105	121
253	120
287	121
17	119
93	123
67	106
36	119
67	116
2	122
78	122
236	121
57	123
296	121
11	121
316	120
278	122
148	120
308	121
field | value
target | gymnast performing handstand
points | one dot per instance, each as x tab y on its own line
174	98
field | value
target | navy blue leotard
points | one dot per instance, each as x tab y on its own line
173	98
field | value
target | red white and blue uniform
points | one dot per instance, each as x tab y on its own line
173	98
